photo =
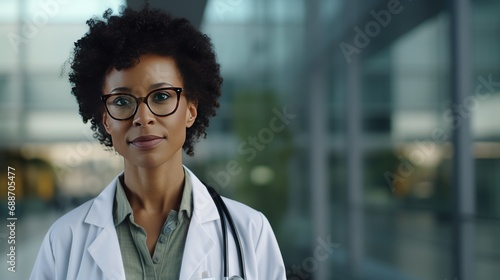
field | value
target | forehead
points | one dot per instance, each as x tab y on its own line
150	70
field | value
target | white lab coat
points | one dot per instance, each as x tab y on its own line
83	244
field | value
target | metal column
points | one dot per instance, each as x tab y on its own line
354	168
354	154
318	82
463	157
21	82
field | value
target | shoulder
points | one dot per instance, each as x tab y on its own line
243	211
96	211
254	223
258	238
70	221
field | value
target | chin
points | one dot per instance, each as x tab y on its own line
152	159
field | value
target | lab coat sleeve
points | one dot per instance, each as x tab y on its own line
44	268
270	264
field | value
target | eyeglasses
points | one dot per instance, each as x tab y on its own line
161	102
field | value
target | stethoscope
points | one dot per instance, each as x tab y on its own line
224	215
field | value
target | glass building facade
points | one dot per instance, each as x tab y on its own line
365	131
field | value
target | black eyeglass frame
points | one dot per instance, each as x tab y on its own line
139	100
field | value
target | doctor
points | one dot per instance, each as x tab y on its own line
148	84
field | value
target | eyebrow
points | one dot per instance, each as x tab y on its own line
120	89
158	85
150	87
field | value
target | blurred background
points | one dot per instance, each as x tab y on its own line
366	131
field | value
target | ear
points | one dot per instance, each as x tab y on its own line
105	122
191	113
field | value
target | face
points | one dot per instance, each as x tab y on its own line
147	140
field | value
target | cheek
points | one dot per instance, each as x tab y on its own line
116	128
180	117
176	126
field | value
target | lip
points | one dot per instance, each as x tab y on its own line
146	141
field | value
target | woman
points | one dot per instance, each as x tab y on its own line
148	84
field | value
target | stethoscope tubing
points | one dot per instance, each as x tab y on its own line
224	214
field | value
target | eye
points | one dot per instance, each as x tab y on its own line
122	100
161	96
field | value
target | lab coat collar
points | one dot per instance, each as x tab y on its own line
203	205
101	211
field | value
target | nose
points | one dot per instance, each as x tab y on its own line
143	116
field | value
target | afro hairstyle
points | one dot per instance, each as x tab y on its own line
117	41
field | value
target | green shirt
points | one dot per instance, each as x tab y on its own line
167	257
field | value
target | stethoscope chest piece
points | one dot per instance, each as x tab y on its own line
235	278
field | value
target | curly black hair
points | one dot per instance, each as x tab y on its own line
119	40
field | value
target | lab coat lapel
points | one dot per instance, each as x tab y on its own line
200	238
106	253
105	249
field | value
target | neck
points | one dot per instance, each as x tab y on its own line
154	190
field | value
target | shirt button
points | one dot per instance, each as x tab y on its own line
156	260
169	228
163	239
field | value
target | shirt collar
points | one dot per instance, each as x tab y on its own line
122	208
187	196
